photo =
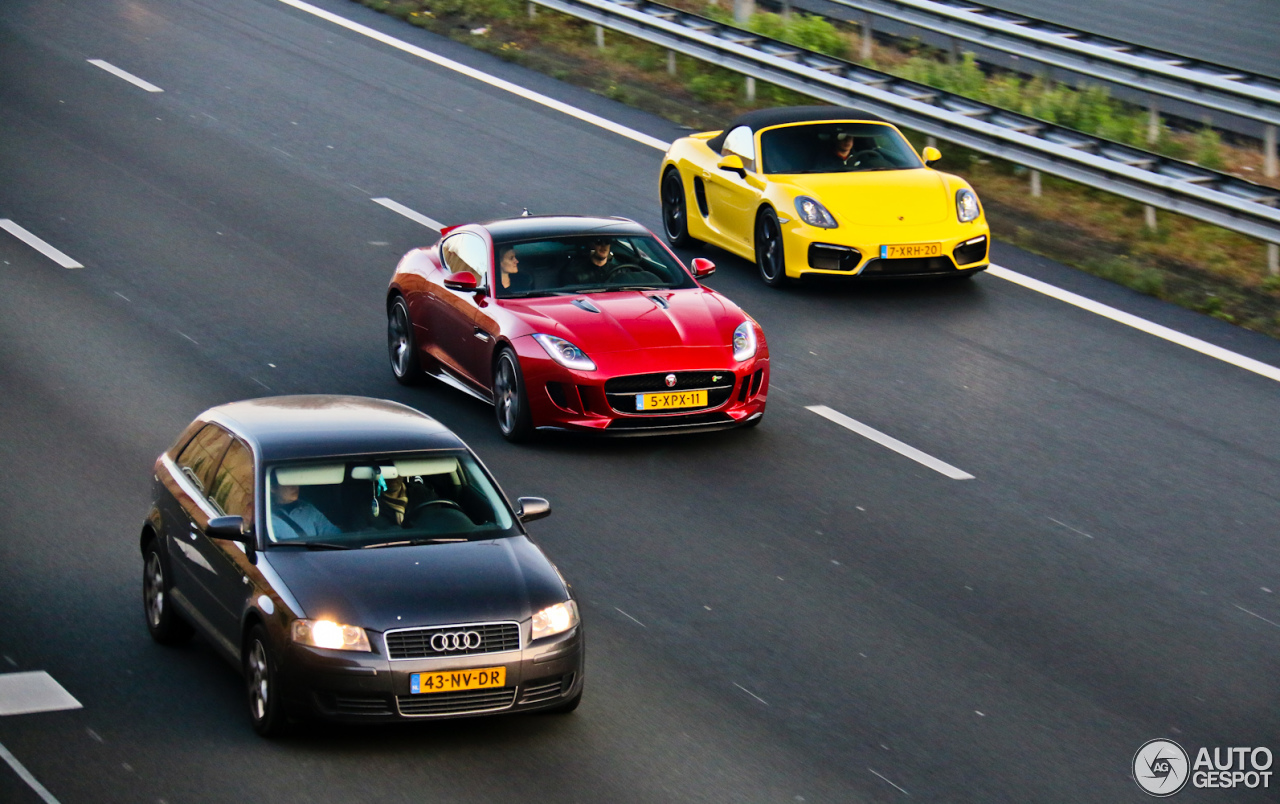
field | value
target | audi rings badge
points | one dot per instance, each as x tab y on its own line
451	641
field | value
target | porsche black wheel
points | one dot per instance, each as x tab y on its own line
400	344
675	217
770	257
510	402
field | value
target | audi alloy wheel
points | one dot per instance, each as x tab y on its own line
165	625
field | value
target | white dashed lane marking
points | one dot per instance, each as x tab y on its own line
130	77
413	215
33	691
889	441
38	244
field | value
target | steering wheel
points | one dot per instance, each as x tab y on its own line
624	267
858	156
409	516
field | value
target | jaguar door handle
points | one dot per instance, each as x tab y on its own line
482	335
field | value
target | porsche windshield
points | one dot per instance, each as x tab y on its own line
383	501
585	264
835	148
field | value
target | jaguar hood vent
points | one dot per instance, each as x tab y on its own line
586	304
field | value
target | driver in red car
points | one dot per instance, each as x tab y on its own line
592	267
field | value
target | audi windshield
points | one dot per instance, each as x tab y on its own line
383	501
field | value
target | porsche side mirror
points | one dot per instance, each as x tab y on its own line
931	155
703	267
462	280
531	508
733	164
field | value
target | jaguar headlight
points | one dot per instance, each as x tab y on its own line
328	634
814	213
966	205
565	353
555	620
744	341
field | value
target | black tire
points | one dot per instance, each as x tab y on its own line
675	212
402	349
510	402
770	256
163	621
266	705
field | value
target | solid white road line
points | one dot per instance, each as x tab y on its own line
38	244
890	442
1149	327
130	77
416	217
33	691
904	792
995	270
26	776
470	72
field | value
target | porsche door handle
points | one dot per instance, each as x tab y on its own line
482	335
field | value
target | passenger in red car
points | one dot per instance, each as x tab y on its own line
511	278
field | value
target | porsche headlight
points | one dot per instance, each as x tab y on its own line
744	341
554	620
565	353
328	634
814	214
966	205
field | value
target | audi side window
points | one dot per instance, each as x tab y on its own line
202	454
232	489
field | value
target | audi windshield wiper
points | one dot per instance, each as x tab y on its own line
414	542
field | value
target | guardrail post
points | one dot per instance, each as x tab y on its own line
953	53
600	37
742	10
1035	184
1149	214
751	89
671	62
786	9
1153	121
1269	167
533	9
867	33
1273	259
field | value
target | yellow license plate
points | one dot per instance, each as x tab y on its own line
452	680
911	250
674	399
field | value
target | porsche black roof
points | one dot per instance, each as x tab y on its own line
535	226
763	118
322	425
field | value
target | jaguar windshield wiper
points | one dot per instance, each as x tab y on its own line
314	545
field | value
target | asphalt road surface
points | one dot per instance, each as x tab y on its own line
793	613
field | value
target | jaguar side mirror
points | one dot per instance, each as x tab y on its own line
703	267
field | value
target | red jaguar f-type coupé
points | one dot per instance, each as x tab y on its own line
576	323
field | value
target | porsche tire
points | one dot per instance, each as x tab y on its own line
164	623
402	349
675	212
770	255
510	401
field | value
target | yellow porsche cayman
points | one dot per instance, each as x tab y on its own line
822	190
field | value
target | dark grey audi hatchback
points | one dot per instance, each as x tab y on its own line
355	560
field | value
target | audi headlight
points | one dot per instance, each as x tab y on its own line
565	353
814	214
966	205
555	619
328	634
744	341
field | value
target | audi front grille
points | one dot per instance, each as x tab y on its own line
452	640
456	703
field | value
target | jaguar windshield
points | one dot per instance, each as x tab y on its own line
586	264
383	501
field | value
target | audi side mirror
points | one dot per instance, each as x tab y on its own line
703	267
226	527
531	508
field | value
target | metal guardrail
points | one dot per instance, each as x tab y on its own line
1212	86
1187	189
